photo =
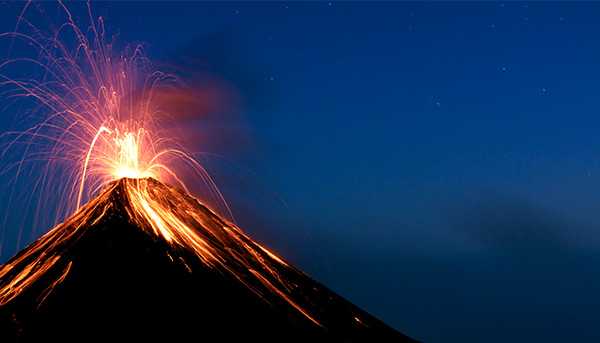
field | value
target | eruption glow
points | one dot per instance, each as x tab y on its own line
99	124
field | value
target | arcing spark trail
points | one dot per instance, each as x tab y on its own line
99	124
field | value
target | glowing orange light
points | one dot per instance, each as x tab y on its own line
100	123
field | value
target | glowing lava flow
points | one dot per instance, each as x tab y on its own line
220	245
100	127
169	214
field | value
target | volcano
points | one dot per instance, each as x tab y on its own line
119	270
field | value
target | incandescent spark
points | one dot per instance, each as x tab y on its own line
99	125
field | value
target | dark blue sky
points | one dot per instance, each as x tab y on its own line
437	164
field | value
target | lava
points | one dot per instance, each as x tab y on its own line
99	123
100	145
144	258
168	214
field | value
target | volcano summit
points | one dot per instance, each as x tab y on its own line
146	261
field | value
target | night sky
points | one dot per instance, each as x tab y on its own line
437	164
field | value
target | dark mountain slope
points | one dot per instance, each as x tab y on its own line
104	274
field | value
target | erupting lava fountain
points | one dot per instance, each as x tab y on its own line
133	256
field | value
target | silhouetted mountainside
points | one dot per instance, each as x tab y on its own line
102	276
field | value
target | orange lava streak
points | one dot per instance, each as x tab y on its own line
100	123
216	245
284	296
45	253
177	218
